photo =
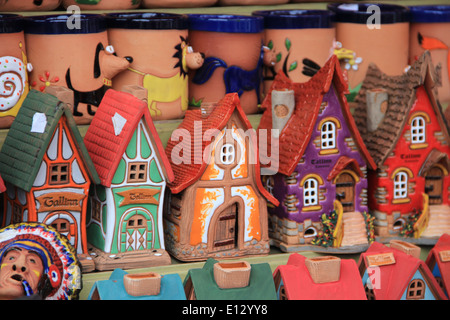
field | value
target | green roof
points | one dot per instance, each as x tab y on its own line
261	285
23	150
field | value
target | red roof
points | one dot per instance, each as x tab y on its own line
188	173
295	136
105	147
299	285
393	279
443	244
2	185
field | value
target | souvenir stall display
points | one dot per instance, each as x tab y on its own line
224	150
430	26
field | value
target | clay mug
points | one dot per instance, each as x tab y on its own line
429	30
301	39
162	58
75	54
371	33
234	58
103	4
28	5
14	67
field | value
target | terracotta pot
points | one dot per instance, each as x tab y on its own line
142	284
28	5
161	59
366	39
430	29
14	84
250	2
295	35
177	3
77	58
233	49
103	4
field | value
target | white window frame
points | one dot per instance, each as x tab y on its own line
227	154
418	125
401	185
326	142
310	192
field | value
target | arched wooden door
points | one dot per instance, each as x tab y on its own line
225	231
434	185
345	191
137	230
65	224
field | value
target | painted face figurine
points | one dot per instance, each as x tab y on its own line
37	263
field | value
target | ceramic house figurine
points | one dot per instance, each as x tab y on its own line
150	286
38	263
14	84
429	31
28	5
321	180
319	278
218	205
125	227
401	122
438	261
47	171
391	274
162	72
231	280
73	53
103	4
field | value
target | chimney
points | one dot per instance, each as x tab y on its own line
324	269
230	275
406	247
283	105
142	284
206	108
377	103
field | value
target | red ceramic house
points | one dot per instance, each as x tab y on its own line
125	227
438	261
402	124
295	281
390	274
323	164
218	206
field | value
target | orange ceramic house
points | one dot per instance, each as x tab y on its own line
402	124
47	170
218	205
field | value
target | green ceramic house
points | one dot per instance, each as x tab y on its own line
125	227
47	169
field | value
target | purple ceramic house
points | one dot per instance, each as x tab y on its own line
321	181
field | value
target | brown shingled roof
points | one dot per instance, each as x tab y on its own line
401	98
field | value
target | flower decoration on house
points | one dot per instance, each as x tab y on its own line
46	80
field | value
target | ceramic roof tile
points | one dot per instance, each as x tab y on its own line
111	130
